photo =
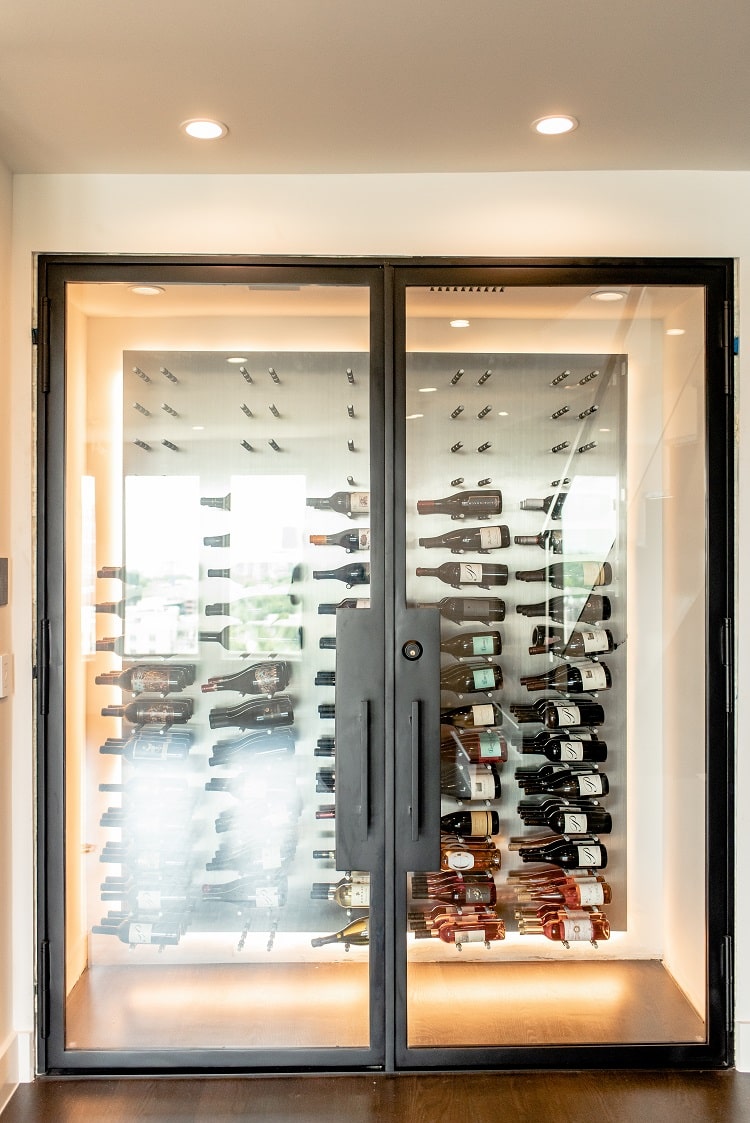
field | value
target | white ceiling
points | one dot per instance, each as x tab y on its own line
378	86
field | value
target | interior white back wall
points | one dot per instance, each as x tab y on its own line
580	214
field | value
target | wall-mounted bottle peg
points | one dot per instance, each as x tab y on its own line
350	376
142	444
247	446
169	410
485	446
481	381
457	410
560	483
274	410
246	375
484	482
141	374
587	412
457	377
274	376
483	412
168	374
246	410
350	445
350	410
220	541
559	413
585	448
457	446
274	446
350	481
168	444
559	448
458	480
588	377
560	378
142	409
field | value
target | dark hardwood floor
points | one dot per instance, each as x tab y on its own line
560	1097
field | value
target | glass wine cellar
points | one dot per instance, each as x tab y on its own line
384	664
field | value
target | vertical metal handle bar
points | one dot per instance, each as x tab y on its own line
415	739
364	734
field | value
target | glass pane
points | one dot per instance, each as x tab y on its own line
216	438
555	518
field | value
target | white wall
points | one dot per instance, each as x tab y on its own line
644	214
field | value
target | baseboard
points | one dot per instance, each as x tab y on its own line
742	1046
16	1064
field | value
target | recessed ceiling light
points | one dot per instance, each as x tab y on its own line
502	413
428	389
675	331
608	295
460	323
197	428
204	128
555	124
146	290
236	359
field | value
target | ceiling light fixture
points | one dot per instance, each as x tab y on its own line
428	389
204	128
146	290
675	331
460	323
236	359
413	416
555	124
606	295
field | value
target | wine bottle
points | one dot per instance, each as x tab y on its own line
480	539
222	502
146	678
471	717
552	505
468	678
235	637
113	607
345	502
146	859
133	931
260	678
563	575
577	642
457	574
464	858
154	749
469	781
572	820
572	892
565	749
251	856
350	892
325	678
348	602
570	607
111	643
574	785
472	932
551	540
357	932
147	711
562	715
459	609
471	824
569	855
250	891
219	541
251	746
357	573
459	889
480	747
465	644
571	678
570	929
350	540
481	504
254	713
113	572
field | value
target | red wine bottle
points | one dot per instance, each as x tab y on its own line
478	539
345	502
357	573
150	678
148	711
457	574
488	610
571	678
350	540
260	678
571	644
480	504
254	713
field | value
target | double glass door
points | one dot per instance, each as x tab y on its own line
368	736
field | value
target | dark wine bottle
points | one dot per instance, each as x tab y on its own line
147	711
234	637
357	573
551	504
570	608
572	784
551	540
260	678
250	891
471	824
480	539
254	713
564	749
472	717
147	749
348	602
564	575
114	572
570	644
571	678
345	502
250	747
467	678
458	889
560	715
350	540
457	574
222	502
220	541
576	820
133	931
112	607
150	678
569	855
460	609
465	644
481	504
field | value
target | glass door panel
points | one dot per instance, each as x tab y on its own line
555	500
217	514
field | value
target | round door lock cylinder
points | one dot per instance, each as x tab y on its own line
412	649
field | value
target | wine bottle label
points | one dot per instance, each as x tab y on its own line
144	680
490	745
581	928
363	539
591	893
481	823
590	785
567	714
591	573
593	677
484	678
149	860
150	750
459	859
571	750
362	604
470	936
270	857
483	715
139	933
267	896
479	894
360	501
469	573
482	645
267	677
594	639
357	896
589	855
490	537
149	900
575	823
481	784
